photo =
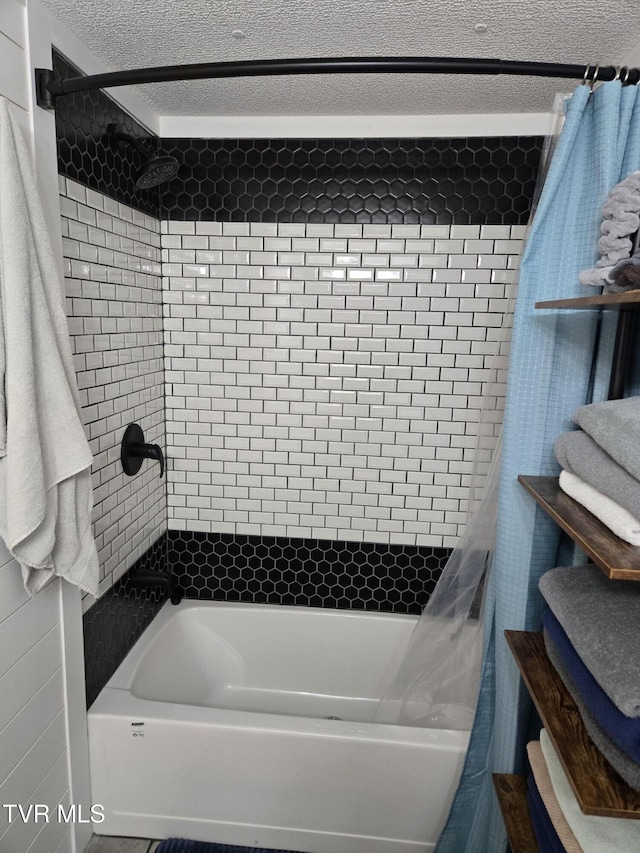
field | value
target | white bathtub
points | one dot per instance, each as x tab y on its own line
220	726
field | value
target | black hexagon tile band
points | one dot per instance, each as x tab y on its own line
476	180
479	180
114	623
307	572
86	152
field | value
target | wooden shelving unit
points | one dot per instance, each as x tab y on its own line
617	559
597	787
512	796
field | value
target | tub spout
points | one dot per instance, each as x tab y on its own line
150	579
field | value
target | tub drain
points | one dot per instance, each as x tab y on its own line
332	717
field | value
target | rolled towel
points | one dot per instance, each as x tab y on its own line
601	618
619	520
543	829
627	768
594	834
540	773
579	454
620	220
615	426
624	731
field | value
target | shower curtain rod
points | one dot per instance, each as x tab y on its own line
49	87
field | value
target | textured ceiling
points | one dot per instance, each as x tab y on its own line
137	33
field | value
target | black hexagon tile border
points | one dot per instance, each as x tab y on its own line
87	155
476	180
114	623
306	572
467	181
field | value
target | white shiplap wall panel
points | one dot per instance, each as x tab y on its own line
33	739
12	17
14	80
19	784
21	835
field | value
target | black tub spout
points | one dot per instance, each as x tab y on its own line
150	579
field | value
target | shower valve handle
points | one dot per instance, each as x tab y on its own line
134	449
147	451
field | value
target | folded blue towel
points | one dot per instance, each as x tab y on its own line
626	767
544	830
623	731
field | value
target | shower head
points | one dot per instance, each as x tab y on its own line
154	170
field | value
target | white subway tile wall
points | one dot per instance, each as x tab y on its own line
325	381
114	308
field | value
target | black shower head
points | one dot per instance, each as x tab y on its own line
155	169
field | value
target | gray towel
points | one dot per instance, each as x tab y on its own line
626	767
615	426
45	465
601	619
578	453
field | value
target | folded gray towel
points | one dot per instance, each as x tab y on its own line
601	619
578	453
615	426
626	767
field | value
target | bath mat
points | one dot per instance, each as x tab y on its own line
181	845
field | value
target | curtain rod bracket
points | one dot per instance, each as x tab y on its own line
47	82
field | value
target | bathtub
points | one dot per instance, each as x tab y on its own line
251	724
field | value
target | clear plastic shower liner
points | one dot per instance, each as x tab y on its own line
437	683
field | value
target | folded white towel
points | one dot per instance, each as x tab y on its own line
612	515
45	465
545	788
594	834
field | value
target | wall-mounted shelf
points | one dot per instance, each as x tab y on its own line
626	299
597	787
616	558
512	797
626	304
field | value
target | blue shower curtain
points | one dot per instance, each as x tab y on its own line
549	377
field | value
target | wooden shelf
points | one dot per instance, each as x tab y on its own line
598	788
627	299
616	558
512	797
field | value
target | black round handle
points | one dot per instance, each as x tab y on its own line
134	449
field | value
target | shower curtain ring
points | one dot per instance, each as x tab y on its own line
596	74
627	74
585	79
618	71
